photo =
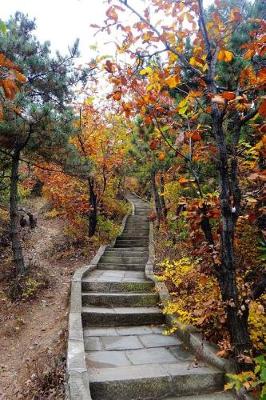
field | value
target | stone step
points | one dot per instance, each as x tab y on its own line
122	267
115	339
140	220
129	244
211	396
132	251
120	299
140	286
152	381
117	316
133	240
140	330
134	235
121	259
140	248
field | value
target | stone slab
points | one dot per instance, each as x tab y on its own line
150	356
121	342
106	359
157	340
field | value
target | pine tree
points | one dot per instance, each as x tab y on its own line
39	120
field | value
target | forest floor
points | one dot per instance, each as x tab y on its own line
33	331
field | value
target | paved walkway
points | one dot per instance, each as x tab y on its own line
127	355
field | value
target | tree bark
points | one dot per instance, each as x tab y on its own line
237	318
162	201
92	208
14	216
157	201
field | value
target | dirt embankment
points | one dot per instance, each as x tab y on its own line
33	331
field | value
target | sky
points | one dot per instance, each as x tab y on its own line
62	21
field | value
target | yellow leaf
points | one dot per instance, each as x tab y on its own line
225	55
147	70
172	81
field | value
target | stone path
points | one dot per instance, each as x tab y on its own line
127	356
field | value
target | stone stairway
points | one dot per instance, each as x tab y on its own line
127	355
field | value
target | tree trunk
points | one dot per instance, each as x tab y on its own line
164	209
157	201
237	318
14	217
93	208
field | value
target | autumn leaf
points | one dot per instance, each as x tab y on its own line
146	71
228	95
235	15
127	108
172	81
109	66
117	95
183	180
262	108
161	156
218	99
196	136
154	144
225	55
112	14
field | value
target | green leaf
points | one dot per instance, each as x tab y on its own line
2	27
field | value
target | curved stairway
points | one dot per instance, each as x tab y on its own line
127	356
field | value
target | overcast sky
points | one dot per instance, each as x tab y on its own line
62	21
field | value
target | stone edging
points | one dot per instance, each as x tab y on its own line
189	334
78	386
78	380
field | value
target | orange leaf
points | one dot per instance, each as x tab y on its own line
228	95
182	180
225	55
161	156
262	108
154	144
196	136
117	95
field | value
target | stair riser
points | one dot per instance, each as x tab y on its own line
133	236
126	253
123	260
128	245
133	252
122	267
118	286
156	388
138	242
120	301
95	319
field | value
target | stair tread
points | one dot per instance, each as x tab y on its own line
209	396
123	331
121	310
102	275
117	294
144	371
